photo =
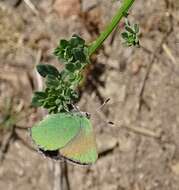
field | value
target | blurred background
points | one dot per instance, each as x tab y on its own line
141	151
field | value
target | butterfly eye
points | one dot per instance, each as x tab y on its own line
88	115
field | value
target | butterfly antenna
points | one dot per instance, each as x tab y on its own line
98	110
103	104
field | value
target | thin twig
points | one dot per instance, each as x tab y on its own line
31	6
169	53
38	79
143	131
6	143
65	185
56	176
61	180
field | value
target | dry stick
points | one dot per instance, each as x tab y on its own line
142	88
39	82
168	52
56	176
5	143
61	180
143	131
32	7
154	56
65	184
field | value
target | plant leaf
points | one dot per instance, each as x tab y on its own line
38	99
45	70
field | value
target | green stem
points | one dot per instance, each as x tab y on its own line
115	20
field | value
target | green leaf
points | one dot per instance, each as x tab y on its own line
70	67
136	28
124	35
79	55
130	36
129	29
38	99
45	70
63	43
51	81
78	65
76	40
72	51
59	51
127	23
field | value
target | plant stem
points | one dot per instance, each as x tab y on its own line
121	12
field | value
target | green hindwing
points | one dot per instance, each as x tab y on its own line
82	148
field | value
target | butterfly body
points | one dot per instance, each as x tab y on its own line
68	134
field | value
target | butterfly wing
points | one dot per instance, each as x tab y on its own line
55	131
82	148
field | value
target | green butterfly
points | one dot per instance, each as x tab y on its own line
66	135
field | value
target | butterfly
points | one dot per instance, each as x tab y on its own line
66	136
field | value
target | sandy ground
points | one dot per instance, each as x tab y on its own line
141	151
